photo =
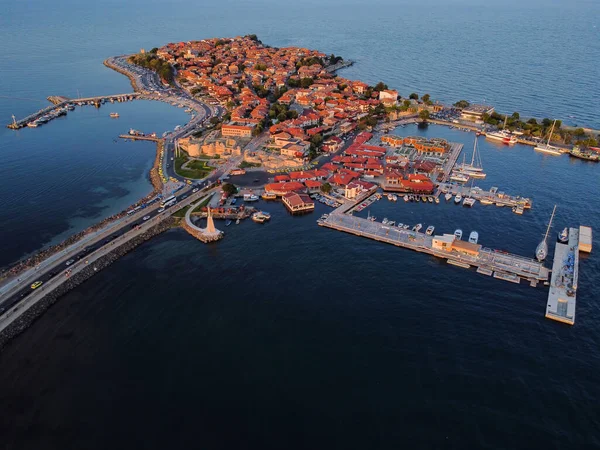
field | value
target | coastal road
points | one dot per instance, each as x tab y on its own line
78	255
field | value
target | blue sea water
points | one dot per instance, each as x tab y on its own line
289	335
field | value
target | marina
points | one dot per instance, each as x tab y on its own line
504	265
492	196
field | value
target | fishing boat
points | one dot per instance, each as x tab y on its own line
458	234
486	201
541	250
547	148
586	154
563	236
258	217
114	115
473	237
518	209
417	227
430	230
448	196
458	198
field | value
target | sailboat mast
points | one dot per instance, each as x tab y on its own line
474	151
551	131
550	223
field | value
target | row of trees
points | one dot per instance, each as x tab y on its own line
151	61
303	83
281	112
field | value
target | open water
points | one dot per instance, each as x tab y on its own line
289	335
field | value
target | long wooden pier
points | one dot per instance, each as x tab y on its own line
134	137
503	265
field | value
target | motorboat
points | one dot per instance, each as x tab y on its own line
430	230
486	201
424	199
437	200
385	221
473	237
518	209
114	115
448	196
250	197
430	199
469	201
391	223
406	198
458	234
563	236
417	227
269	196
458	198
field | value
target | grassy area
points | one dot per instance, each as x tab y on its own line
208	157
198	208
195	170
246	165
182	212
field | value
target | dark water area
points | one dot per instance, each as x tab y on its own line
287	334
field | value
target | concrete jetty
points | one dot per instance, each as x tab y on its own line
206	235
505	266
134	137
563	284
492	196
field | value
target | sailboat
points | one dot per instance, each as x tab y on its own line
542	249
469	201
547	148
475	169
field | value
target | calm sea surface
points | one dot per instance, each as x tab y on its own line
288	335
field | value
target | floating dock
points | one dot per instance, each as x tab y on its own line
493	196
506	266
563	284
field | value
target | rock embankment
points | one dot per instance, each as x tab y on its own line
108	63
36	310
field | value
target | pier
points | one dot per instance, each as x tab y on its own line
60	102
563	284
503	265
493	196
134	137
455	149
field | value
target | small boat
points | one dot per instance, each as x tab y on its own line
390	197
250	198
394	198
391	223
259	217
424	199
237	222
542	249
430	230
473	237
486	201
458	198
417	227
459	176
458	234
406	227
227	223
448	196
385	221
406	198
269	196
114	115
400	225
430	199
563	236
437	200
518	209
468	201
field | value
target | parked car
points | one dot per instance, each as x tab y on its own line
146	217
69	262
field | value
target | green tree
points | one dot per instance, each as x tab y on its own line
326	187
462	104
424	115
516	115
293	82
154	50
406	104
426	98
317	139
532	121
306	82
261	67
414	96
282	116
381	86
229	189
579	132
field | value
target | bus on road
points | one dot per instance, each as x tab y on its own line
167	200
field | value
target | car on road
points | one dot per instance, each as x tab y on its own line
183	197
146	217
160	210
36	285
195	190
69	262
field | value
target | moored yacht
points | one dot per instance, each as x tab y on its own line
458	234
468	201
563	236
458	198
430	230
417	227
473	237
546	147
250	197
448	196
541	250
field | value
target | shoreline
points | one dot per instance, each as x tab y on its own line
108	63
39	307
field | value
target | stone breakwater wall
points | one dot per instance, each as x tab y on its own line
36	310
110	65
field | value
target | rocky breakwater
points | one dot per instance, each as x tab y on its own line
109	63
29	315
